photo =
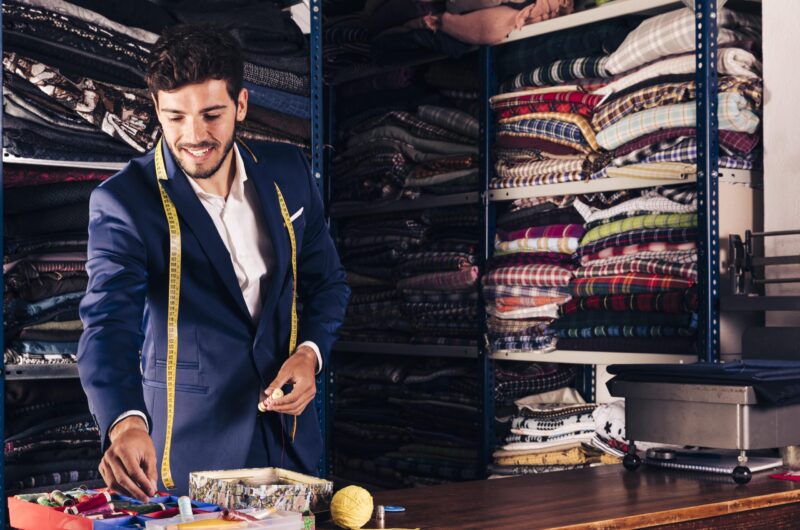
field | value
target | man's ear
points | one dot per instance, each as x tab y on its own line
241	105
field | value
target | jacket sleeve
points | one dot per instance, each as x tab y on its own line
322	284
112	312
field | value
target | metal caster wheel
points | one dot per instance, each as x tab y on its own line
742	474
632	462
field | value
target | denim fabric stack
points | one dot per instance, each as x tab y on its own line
74	75
414	277
402	422
51	440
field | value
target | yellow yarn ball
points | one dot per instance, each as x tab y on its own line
351	507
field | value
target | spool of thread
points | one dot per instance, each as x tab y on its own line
61	498
276	394
185	508
351	507
104	509
89	503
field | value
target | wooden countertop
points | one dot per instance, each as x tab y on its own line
602	497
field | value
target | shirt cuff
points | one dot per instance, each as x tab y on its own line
314	347
129	413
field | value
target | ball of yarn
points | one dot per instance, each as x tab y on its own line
351	507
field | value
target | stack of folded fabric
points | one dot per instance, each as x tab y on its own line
634	290
552	431
74	86
414	277
403	142
529	274
46	215
401	423
50	437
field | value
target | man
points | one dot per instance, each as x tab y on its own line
236	286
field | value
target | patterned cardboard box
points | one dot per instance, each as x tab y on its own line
268	487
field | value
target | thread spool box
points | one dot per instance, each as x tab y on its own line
268	487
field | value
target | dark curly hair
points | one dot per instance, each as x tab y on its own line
189	53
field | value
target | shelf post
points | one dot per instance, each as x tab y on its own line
707	179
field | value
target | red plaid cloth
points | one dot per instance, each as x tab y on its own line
640	236
532	258
529	275
550	106
740	142
671	302
631	283
652	266
590	100
656	246
556	231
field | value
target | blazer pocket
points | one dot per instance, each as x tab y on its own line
193	389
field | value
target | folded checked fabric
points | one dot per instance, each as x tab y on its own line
650	204
499	327
121	112
443	281
277	79
451	119
557	130
435	297
685	270
587	134
549	231
285	102
417	262
523	98
506	390
565	261
413	124
527	109
592	318
735	142
529	276
730	61
492	292
540	143
685	345
674	32
668	302
566	245
734	112
508	169
560	177
669	94
524	343
559	72
611	249
507	304
525	217
629	283
627	331
681	257
635	224
545	311
576	422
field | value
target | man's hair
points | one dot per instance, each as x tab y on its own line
187	54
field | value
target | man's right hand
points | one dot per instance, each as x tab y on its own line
129	464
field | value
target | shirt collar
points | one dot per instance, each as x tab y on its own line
237	186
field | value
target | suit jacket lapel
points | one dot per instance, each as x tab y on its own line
262	173
195	216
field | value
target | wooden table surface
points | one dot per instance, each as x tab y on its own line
602	497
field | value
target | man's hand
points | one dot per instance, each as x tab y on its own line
300	370
129	464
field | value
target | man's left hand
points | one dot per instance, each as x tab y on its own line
300	371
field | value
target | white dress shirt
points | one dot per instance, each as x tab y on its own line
241	228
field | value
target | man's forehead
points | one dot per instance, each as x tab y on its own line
196	96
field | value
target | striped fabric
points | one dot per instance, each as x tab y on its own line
627	331
670	302
529	276
733	111
630	283
566	245
683	244
668	256
506	169
578	121
559	72
661	170
539	180
650	204
643	222
686	270
554	130
491	292
559	231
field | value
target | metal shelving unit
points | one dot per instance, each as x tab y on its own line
106	166
595	357
414	350
21	372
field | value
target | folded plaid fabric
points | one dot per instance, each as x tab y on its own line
515	99
367	297
417	262
540	312
438	296
544	106
532	258
529	276
567	245
506	169
491	292
667	256
512	389
688	270
499	326
540	142
651	204
524	343
592	318
733	113
442	281
627	331
669	94
556	230
579	121
559	72
452	119
539	180
644	222
549	129
670	302
413	124
620	245
517	302
630	283
733	141
525	217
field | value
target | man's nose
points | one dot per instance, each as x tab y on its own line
196	132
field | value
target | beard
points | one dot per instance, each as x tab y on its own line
200	173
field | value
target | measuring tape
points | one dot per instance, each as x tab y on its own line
173	299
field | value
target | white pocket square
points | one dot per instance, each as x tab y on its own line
296	214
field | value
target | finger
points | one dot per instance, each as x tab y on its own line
111	480
301	389
107	477
150	469
134	470
297	405
126	482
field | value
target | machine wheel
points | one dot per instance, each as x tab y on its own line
632	462
742	474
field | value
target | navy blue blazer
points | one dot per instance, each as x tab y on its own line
224	359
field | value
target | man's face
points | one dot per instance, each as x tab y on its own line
199	121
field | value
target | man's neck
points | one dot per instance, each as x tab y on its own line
220	182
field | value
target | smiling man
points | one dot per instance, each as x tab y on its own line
251	226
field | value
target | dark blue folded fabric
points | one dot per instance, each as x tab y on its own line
294	105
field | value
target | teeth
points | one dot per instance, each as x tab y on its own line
199	153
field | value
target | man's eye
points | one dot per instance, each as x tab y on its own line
175	118
212	117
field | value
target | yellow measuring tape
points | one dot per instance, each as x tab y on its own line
174	293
